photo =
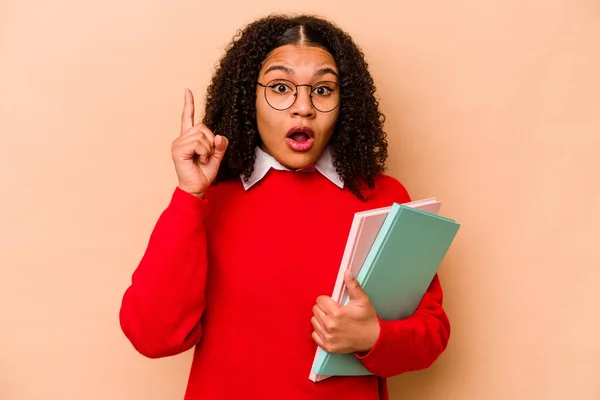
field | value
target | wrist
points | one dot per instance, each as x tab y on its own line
372	337
199	195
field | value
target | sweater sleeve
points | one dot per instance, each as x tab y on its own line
161	309
413	343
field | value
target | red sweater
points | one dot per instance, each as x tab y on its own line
236	275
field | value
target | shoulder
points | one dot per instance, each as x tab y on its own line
389	188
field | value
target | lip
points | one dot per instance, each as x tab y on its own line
300	128
301	146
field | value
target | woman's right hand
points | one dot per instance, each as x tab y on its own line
197	153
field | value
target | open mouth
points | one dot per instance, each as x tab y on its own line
300	138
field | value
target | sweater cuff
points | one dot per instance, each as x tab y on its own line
186	203
380	349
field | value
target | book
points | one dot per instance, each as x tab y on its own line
394	253
363	232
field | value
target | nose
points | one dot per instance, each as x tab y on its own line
303	105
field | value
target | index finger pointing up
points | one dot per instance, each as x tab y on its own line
187	116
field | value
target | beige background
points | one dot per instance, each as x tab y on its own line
492	106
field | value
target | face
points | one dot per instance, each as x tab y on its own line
296	136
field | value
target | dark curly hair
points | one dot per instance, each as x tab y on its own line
359	143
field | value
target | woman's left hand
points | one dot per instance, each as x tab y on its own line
345	329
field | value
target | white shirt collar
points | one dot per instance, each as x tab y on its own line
264	162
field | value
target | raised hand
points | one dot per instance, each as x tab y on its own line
197	153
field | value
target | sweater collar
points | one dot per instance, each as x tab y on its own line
264	162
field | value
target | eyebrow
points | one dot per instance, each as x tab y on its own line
290	71
283	68
325	71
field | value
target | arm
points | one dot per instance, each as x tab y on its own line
414	343
161	309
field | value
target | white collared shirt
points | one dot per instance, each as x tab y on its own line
264	162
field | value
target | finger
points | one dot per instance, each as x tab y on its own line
199	130
203	152
318	328
221	143
187	116
196	137
321	317
209	134
200	127
327	304
318	340
355	291
186	149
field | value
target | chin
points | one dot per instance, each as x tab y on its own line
296	160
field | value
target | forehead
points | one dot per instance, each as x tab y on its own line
300	57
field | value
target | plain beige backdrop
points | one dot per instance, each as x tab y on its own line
492	107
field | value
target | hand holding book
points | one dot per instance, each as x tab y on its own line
394	253
351	328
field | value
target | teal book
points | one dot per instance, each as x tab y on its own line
399	267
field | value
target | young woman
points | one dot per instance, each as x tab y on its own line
241	263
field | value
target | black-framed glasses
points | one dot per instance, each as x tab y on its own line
281	94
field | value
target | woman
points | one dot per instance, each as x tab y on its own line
241	262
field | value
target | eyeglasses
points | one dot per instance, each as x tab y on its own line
281	94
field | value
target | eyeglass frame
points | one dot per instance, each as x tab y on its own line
265	86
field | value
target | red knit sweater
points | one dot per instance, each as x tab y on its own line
236	275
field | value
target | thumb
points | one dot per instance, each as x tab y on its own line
221	144
355	291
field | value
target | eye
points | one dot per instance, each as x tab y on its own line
280	88
323	90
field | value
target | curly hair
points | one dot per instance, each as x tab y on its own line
358	142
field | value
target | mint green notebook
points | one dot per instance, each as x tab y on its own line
401	264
